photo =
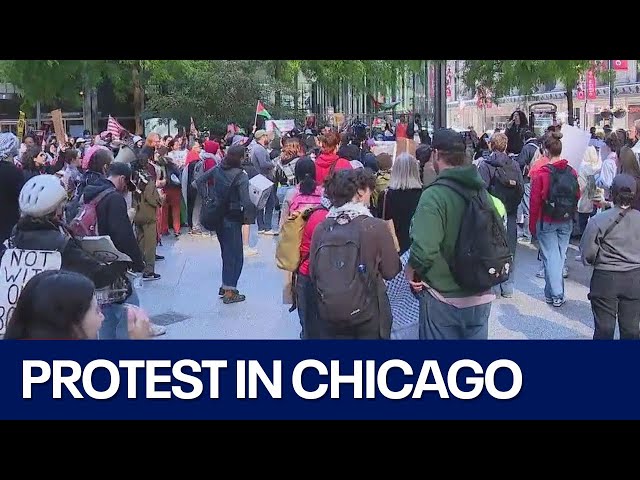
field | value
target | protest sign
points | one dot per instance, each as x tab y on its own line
58	126
574	143
17	267
282	126
385	147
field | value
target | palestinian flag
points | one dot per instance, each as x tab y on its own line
260	110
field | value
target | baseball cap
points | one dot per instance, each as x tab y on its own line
447	140
624	182
117	169
260	133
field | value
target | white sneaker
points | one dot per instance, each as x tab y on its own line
540	273
271	232
565	272
157	330
249	252
578	258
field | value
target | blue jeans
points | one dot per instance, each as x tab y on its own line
506	288
524	204
265	216
115	325
230	238
554	241
440	321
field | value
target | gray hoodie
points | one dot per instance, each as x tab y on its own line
620	250
260	159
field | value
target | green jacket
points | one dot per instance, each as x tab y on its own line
435	227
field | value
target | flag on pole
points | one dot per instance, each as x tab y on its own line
114	128
260	110
193	130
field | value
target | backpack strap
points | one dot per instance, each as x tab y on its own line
453	185
616	222
101	195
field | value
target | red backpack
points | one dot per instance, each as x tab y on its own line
85	223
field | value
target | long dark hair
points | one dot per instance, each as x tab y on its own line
52	306
234	157
28	159
305	171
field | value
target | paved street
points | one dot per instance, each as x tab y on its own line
186	300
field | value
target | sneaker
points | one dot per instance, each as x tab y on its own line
159	257
232	296
565	272
262	232
271	232
147	277
548	300
176	235
221	292
558	302
540	273
157	330
507	295
249	252
525	240
578	258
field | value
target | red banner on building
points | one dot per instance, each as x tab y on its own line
620	64
449	81
592	94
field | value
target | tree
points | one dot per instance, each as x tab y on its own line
51	81
502	76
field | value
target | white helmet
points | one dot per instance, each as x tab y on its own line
41	195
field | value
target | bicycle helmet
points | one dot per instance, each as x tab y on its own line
41	195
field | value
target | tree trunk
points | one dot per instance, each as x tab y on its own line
138	98
569	94
277	75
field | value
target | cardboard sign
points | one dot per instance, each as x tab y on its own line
22	123
17	267
58	126
259	190
385	147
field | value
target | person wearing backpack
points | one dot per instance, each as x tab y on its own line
529	152
554	200
383	177
611	244
351	255
503	178
226	208
328	161
40	227
459	249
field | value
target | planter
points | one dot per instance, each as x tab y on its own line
619	113
606	114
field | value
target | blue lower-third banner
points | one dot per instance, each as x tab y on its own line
319	380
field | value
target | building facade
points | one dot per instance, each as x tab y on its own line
463	109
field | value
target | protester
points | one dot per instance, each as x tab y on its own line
526	156
503	179
328	161
231	190
189	192
264	165
71	175
383	177
62	305
611	244
554	199
589	169
352	297
171	188
447	310
11	182
147	201
427	172
34	162
609	165
306	193
516	127
398	202
629	165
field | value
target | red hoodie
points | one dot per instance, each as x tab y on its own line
540	184
324	163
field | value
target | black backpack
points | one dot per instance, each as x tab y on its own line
507	185
345	289
482	257
562	202
214	205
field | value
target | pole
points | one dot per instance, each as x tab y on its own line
255	120
611	83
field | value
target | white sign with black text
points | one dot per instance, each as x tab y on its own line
17	267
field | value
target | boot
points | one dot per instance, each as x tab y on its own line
232	296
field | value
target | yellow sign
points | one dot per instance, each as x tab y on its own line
22	123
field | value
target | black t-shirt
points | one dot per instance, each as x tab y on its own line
399	206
